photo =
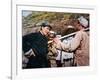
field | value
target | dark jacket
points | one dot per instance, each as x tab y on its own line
38	43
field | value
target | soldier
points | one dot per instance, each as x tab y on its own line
36	44
79	44
52	54
65	58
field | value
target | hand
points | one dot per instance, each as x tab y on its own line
57	40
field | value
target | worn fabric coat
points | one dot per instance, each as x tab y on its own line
80	45
38	43
52	54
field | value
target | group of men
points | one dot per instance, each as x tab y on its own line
36	44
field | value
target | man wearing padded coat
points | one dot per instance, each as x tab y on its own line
79	44
38	44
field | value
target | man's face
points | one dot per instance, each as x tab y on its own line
77	25
46	30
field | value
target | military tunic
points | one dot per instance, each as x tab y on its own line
38	43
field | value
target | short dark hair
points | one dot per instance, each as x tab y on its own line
46	25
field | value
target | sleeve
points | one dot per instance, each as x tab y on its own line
62	46
26	45
76	41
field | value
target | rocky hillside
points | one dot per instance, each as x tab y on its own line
58	20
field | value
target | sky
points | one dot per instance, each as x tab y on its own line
26	13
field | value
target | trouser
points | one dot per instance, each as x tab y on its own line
38	62
58	62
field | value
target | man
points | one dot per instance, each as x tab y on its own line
79	44
52	54
37	45
65	58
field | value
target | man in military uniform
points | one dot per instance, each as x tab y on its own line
79	44
36	44
52	54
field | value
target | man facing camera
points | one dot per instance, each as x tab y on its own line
38	44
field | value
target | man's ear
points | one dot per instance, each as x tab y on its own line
41	28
